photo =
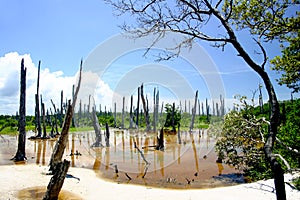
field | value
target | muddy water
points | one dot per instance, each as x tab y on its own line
190	164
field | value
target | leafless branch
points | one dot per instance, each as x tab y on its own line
287	147
284	161
264	53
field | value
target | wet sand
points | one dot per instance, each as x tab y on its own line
193	161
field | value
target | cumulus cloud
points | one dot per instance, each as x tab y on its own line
51	85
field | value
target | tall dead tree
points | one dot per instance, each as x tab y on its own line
98	142
61	143
131	114
37	104
138	107
21	155
146	110
123	113
194	112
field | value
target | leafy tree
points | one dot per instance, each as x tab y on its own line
177	116
190	17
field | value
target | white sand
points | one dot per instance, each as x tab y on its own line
14	178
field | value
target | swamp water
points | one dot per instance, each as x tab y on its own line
191	164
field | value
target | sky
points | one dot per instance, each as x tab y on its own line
60	33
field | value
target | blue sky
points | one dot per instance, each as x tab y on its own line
61	32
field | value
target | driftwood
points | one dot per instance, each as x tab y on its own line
21	155
57	180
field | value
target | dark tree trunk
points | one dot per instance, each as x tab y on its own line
21	155
131	115
194	112
138	108
146	112
173	118
115	114
107	135
123	113
97	129
37	104
57	181
160	140
44	121
61	143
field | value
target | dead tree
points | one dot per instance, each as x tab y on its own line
173	118
57	181
194	112
123	113
146	111
44	121
107	135
138	108
21	155
131	114
55	118
97	129
37	104
115	114
61	143
160	140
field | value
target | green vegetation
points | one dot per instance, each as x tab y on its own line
241	139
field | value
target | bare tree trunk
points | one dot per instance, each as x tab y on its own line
138	107
123	113
107	135
160	140
146	111
115	114
173	118
57	181
21	155
60	145
154	110
194	112
97	129
131	115
44	121
37	104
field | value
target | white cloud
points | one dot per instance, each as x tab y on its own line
51	85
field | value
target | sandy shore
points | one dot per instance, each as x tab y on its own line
16	178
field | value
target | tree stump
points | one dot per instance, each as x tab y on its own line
57	180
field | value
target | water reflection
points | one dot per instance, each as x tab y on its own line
189	164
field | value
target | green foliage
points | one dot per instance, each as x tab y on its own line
241	138
241	142
296	183
289	62
177	116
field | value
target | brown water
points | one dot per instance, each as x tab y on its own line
190	164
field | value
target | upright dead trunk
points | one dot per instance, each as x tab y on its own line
115	114
44	121
146	112
123	113
21	155
131	115
194	112
173	118
37	104
138	108
97	129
